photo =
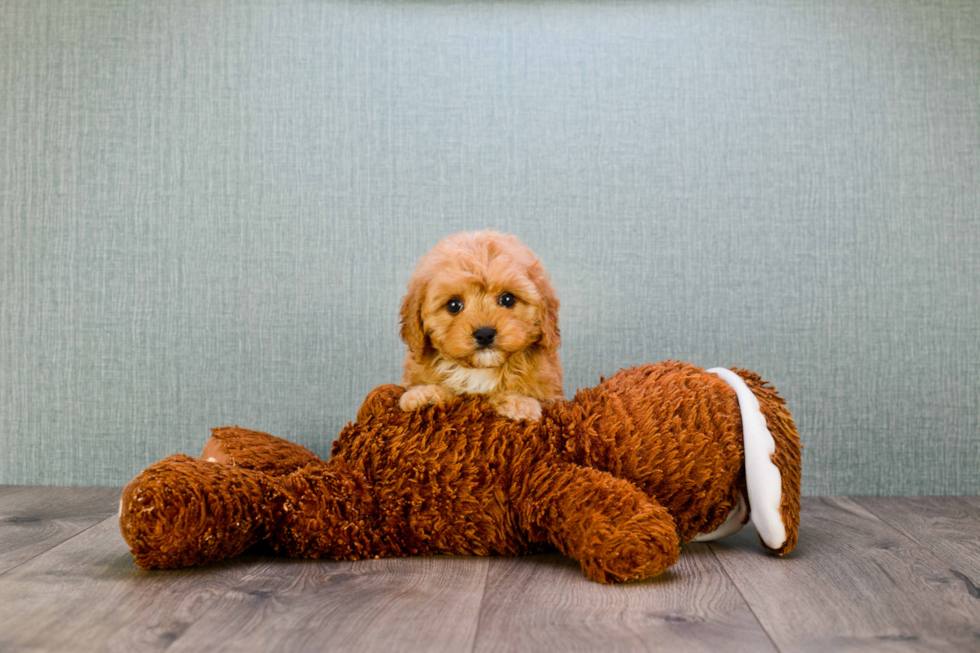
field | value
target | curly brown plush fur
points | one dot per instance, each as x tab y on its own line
616	478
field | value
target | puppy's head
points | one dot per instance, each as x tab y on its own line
477	298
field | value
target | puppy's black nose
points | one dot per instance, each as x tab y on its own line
484	336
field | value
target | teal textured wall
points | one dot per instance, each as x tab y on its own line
209	211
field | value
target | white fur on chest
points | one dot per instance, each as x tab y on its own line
469	380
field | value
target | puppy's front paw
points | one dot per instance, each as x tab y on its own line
423	395
516	406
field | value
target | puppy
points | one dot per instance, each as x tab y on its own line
481	317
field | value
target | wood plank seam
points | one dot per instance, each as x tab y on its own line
56	545
924	607
481	610
744	600
905	533
971	589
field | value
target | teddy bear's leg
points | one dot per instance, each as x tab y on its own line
255	450
183	511
610	526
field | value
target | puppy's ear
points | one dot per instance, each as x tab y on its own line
550	339
412	331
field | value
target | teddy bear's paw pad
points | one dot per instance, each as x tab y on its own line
215	452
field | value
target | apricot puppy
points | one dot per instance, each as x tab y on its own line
481	317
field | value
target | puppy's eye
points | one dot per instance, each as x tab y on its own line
507	300
454	306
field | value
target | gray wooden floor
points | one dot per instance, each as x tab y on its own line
872	574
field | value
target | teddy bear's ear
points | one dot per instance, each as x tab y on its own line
550	339
412	329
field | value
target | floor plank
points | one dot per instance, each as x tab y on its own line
35	519
869	574
947	526
407	604
87	595
853	583
544	603
973	501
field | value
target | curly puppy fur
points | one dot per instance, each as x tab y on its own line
481	317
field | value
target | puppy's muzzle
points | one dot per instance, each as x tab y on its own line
484	336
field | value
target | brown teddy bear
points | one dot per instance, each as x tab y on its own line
616	478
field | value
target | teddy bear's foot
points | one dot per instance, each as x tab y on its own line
615	531
183	511
642	547
256	450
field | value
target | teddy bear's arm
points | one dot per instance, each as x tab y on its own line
610	526
183	511
329	512
379	401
